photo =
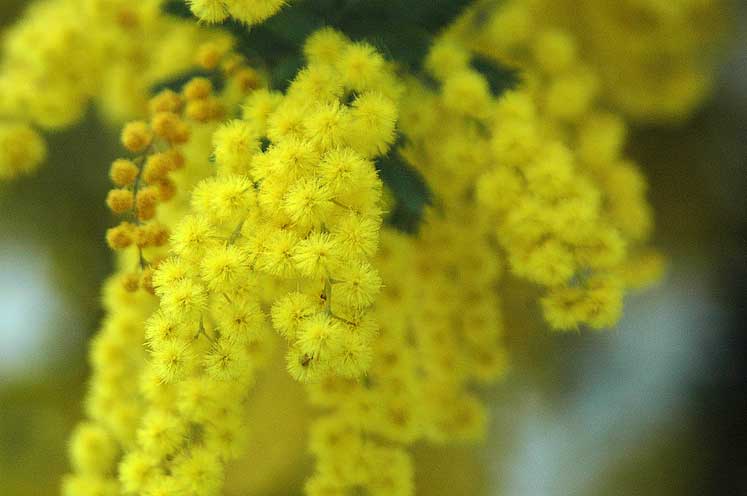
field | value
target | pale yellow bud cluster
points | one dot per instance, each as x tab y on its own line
145	181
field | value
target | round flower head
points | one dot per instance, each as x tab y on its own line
358	285
22	150
210	11
224	268
235	142
254	11
317	255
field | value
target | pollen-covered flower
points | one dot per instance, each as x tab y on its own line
235	142
224	268
161	433
317	255
254	11
358	286
289	312
185	300
22	150
193	236
308	203
226	361
172	360
211	11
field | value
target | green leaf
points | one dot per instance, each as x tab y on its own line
177	8
501	78
410	191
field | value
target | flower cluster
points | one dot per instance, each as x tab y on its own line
652	60
569	209
145	181
113	404
255	219
66	54
441	330
287	229
172	147
320	195
679	36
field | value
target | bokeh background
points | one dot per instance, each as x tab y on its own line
654	407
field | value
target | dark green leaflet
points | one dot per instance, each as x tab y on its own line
411	193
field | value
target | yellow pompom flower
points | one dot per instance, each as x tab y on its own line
22	150
210	11
259	105
325	46
121	236
327	125
358	285
357	235
234	143
92	449
319	335
308	203
172	360
317	255
137	136
228	198
170	271
355	354
225	361
161	433
303	367
286	122
200	473
135	471
120	201
277	257
241	322
185	300
123	172
467	92
290	311
193	236
318	83
341	168
224	268
160	328
360	66
372	124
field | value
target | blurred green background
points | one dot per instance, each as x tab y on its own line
654	407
